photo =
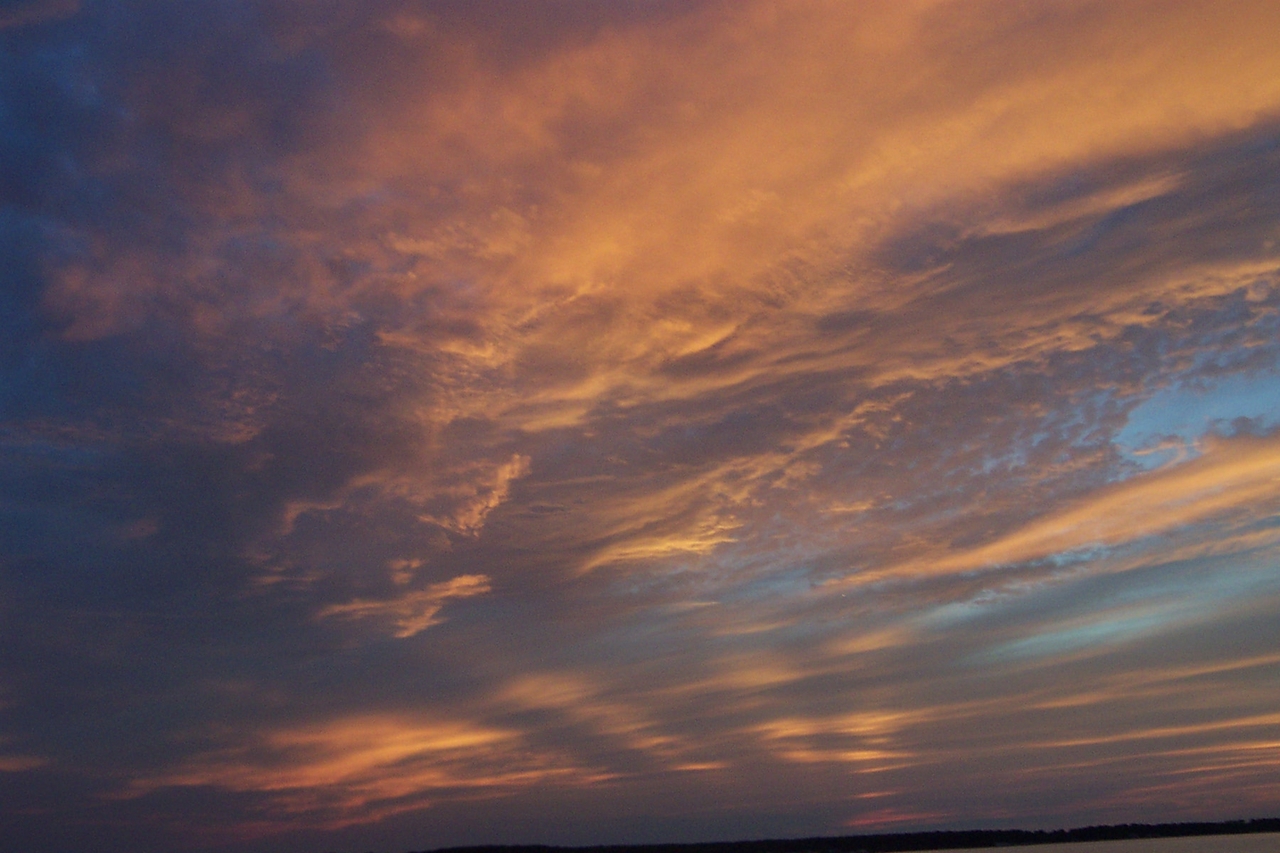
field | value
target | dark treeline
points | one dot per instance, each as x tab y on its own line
942	840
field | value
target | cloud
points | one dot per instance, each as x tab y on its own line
332	773
482	498
1233	477
413	612
19	763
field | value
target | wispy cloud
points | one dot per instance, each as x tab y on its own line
412	612
1234	482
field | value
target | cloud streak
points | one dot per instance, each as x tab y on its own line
415	612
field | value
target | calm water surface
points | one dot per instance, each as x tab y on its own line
1264	842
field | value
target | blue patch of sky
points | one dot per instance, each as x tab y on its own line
1076	420
783	582
1014	458
1093	633
1167	426
1164	596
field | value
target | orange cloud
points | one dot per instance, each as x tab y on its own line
362	768
679	240
1234	478
412	612
19	763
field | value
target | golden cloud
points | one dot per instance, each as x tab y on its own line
412	612
1233	478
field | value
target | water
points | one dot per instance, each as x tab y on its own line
1262	842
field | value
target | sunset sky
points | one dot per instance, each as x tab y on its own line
439	423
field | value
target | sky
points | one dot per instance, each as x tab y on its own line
443	423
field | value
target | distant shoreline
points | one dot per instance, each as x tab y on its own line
889	842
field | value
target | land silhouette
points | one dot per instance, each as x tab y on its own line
888	842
